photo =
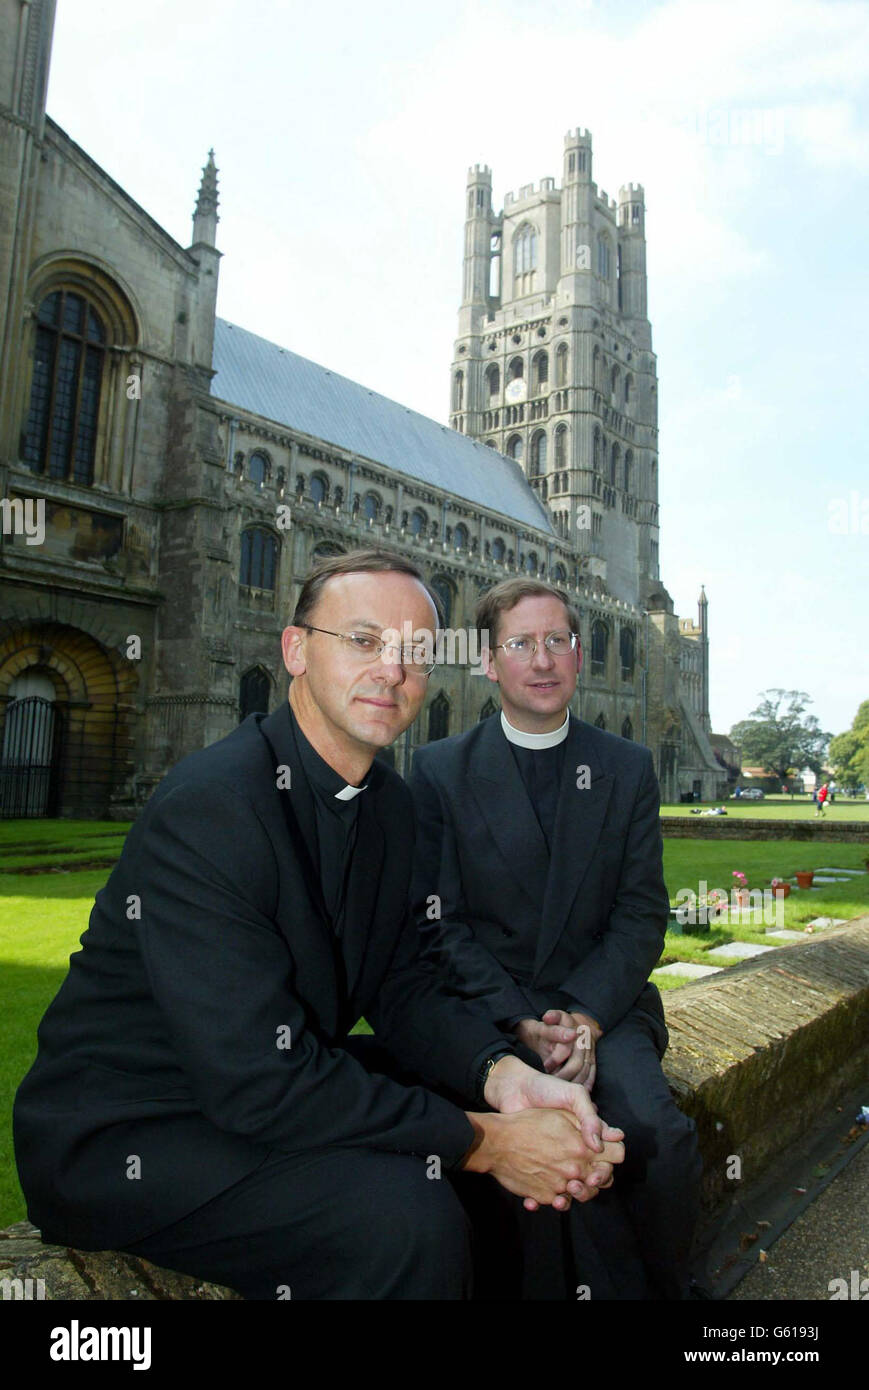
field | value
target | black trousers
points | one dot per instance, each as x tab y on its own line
631	1242
365	1224
327	1224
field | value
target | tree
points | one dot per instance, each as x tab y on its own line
781	740
849	752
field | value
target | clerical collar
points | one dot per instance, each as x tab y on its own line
330	782
524	740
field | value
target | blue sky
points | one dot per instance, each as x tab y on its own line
343	133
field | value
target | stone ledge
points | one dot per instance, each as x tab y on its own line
725	828
758	1051
90	1275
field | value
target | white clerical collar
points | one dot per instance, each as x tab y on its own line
534	740
347	793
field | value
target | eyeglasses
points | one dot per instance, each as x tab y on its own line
523	648
416	659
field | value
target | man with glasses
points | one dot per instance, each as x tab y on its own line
539	892
196	1098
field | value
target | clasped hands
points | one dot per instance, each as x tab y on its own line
547	1143
565	1043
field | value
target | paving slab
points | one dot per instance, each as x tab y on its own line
688	969
850	872
739	950
827	878
785	935
827	922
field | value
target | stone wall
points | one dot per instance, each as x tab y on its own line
719	828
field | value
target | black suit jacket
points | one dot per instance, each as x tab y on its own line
163	1073
595	923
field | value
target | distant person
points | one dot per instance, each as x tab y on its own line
823	793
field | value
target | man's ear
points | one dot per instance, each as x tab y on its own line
293	650
489	664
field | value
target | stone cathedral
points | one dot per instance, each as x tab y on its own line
167	478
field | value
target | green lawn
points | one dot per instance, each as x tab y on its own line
778	808
42	917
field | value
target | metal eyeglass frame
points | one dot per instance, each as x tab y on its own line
574	639
409	668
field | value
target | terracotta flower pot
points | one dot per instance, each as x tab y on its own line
804	879
781	890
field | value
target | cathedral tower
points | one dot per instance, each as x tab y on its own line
553	364
25	49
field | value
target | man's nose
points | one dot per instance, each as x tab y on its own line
389	668
543	657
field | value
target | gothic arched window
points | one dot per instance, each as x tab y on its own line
560	446
498	549
254	693
460	537
629	468
531	564
517	369
627	729
489	708
493	379
444	591
595	457
418	523
603	257
439	718
458	391
69	356
525	250
259	555
599	643
559	575
600	722
628	654
319	488
614	464
326	549
539	372
371	507
514	447
258	468
538	454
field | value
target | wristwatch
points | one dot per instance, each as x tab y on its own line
486	1066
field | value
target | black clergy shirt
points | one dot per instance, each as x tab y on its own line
337	824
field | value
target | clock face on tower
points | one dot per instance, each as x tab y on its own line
516	390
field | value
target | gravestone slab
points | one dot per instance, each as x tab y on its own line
739	950
688	970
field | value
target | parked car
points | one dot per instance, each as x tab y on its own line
747	794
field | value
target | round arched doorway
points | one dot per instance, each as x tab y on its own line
28	760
